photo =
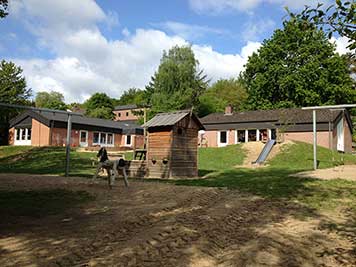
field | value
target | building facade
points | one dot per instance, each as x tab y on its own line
46	128
128	113
334	128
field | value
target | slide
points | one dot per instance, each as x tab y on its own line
265	151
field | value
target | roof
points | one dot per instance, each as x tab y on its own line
47	116
125	107
170	119
279	116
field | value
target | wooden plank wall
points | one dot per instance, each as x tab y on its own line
185	149
158	149
136	168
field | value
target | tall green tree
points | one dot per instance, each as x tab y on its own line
99	105
297	67
51	100
222	93
13	90
132	96
178	82
337	18
4	4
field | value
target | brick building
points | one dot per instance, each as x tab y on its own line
49	128
128	113
334	128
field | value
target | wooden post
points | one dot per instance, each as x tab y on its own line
144	128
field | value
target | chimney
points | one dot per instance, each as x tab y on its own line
228	110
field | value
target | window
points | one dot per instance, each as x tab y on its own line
241	136
128	140
110	139
83	136
119	114
127	114
29	134
17	134
103	139
252	135
223	137
96	137
23	134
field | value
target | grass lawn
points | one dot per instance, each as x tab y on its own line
274	181
277	181
44	160
222	158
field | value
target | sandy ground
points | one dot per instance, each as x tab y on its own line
254	149
156	224
346	172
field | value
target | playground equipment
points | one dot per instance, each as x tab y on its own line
265	152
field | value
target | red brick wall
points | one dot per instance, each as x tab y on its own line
125	117
11	136
231	134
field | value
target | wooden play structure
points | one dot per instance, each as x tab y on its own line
172	145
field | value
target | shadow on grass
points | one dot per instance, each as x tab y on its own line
40	203
279	183
47	160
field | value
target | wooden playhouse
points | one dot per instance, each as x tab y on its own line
172	145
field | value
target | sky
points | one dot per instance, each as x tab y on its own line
85	46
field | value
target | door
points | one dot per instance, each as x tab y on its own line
340	135
83	138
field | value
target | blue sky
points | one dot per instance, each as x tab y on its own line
84	46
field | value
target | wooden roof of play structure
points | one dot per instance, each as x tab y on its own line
171	118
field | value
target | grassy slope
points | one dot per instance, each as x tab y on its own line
219	159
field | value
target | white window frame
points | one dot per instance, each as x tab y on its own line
83	144
227	138
113	141
20	141
126	144
106	139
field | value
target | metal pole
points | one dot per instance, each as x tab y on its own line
315	139
69	131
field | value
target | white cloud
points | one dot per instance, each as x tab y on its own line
255	27
218	65
189	31
218	6
86	61
341	44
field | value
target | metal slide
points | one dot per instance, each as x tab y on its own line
265	151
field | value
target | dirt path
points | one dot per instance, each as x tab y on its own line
156	224
253	150
346	172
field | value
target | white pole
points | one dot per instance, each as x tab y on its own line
69	131
315	139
